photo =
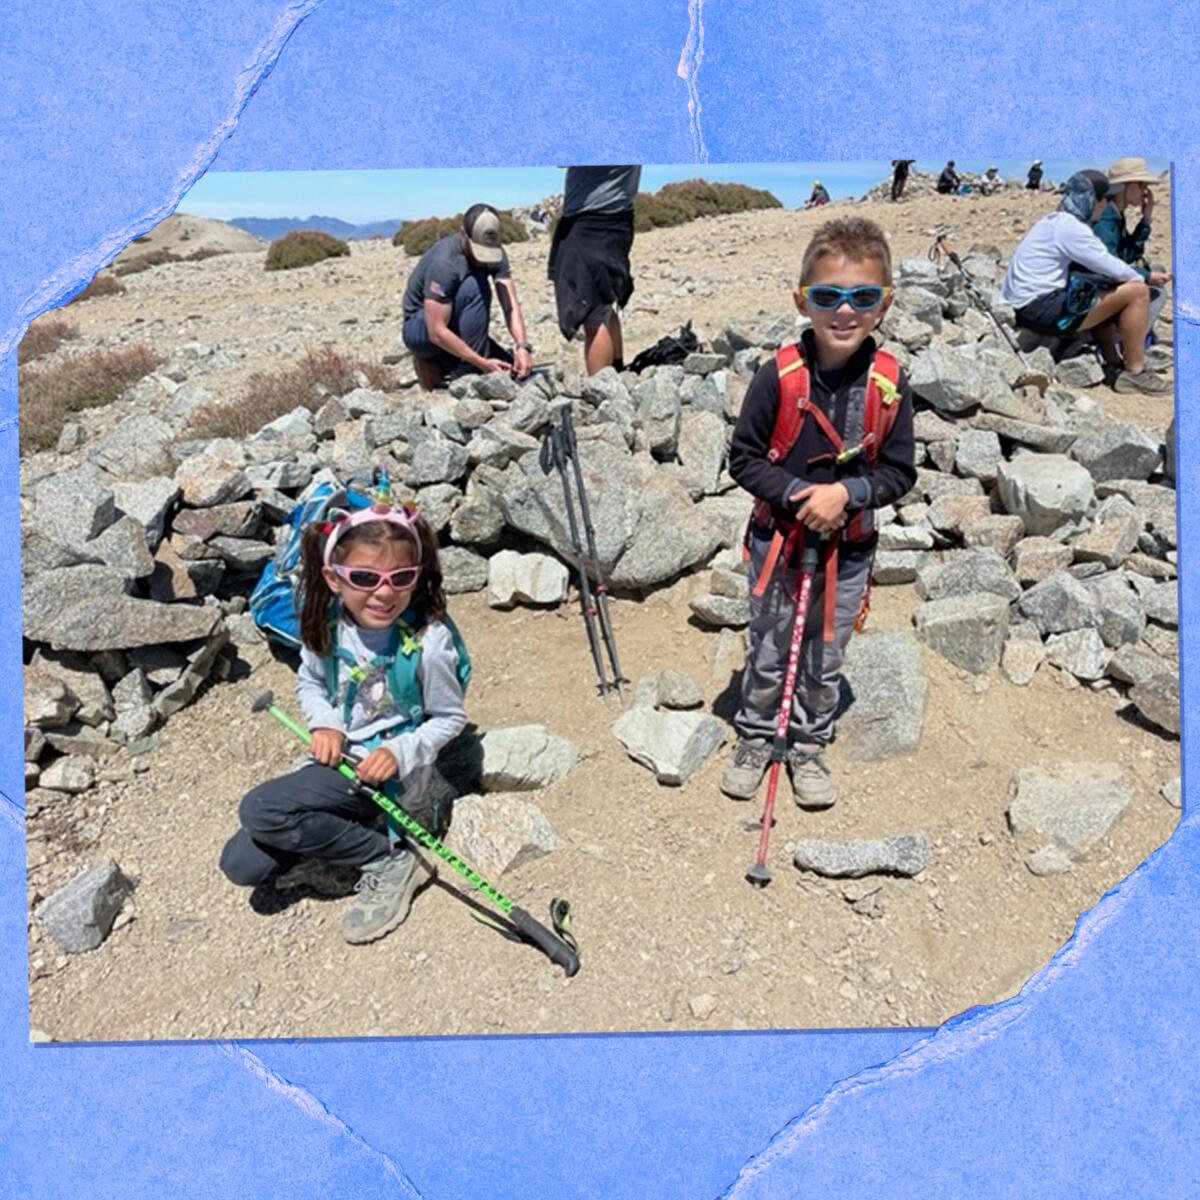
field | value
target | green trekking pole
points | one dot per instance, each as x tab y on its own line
557	944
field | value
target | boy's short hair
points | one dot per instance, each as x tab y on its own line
854	238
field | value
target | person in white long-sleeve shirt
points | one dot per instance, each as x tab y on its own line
1061	280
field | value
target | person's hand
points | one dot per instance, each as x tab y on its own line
522	363
822	506
327	746
1158	278
379	765
492	365
1147	203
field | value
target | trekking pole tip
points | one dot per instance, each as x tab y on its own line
261	701
758	874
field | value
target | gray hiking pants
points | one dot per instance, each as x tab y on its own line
815	699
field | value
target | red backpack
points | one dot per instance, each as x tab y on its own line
879	415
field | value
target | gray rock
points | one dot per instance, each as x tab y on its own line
1135	664
898	566
942	455
46	597
605	385
49	702
71	775
997	531
532	578
1050	859
703	364
1157	699
72	507
1164	642
721	612
123	546
82	681
659	410
1045	491
214	476
1081	371
523	758
479	519
462	570
500	832
183	690
882	673
471	413
978	455
1021	658
968	572
1081	652
676	689
905	537
496	385
671	744
1036	558
929	427
1122	617
1162	604
1026	433
245	555
438	503
35	743
921	305
437	460
1108	542
1117	451
702	447
80	915
951	514
242	519
1075	804
968	630
116	621
953	379
529	412
1060	603
903	854
137	447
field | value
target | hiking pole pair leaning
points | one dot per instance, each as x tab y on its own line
558	448
558	945
758	873
940	247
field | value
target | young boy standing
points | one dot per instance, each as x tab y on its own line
824	438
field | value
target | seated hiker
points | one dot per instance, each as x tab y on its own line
991	182
948	181
1129	185
589	260
900	170
825	437
818	197
1033	180
447	305
382	674
1061	280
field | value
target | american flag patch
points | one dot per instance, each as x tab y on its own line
437	289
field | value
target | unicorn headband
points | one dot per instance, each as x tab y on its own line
381	508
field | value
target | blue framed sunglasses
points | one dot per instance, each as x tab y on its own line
827	297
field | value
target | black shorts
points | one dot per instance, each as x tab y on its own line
1050	315
589	263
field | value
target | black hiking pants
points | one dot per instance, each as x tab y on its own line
312	813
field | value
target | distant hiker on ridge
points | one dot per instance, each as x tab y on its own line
900	176
447	305
819	196
1033	181
948	181
589	260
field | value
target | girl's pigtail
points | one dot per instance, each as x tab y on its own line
317	597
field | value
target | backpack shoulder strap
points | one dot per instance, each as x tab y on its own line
883	401
793	401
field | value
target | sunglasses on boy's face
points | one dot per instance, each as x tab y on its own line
827	297
367	579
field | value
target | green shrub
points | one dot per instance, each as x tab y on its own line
302	248
320	374
48	395
678	203
43	337
105	284
203	253
143	262
417	236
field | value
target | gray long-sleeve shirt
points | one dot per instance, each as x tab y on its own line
374	712
1041	261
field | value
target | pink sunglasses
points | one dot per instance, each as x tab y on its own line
367	579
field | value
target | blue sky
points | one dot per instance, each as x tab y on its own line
360	196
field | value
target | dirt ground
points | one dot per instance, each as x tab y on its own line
671	934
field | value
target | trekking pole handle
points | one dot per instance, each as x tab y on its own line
550	944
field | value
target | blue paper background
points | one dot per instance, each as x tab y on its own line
1084	1085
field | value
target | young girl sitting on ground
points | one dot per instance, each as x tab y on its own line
382	671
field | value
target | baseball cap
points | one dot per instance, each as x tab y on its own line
481	223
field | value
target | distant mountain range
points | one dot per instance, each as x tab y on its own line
270	228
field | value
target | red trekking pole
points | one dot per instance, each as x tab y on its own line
757	873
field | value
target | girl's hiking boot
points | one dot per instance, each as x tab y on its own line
812	785
385	892
751	757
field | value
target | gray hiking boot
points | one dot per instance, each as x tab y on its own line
1144	383
744	773
812	784
385	891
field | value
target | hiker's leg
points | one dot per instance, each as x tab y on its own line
818	687
602	340
314	813
1129	305
1106	338
248	863
770	632
429	360
429	373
